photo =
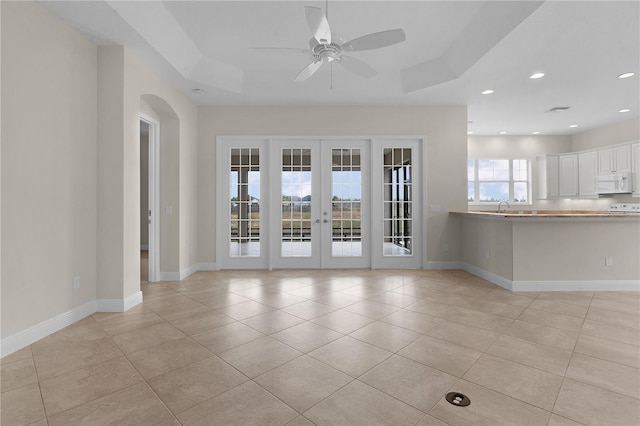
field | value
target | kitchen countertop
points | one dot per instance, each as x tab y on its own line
511	213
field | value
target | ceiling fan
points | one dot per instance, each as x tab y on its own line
323	48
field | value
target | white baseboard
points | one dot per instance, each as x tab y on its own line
32	334
119	305
489	276
595	285
178	276
134	300
188	271
567	285
443	265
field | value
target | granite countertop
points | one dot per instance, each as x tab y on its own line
512	213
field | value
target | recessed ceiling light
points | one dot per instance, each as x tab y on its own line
537	75
197	91
535	133
625	110
502	133
573	125
469	132
487	92
627	75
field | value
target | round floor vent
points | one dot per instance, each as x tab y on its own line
457	398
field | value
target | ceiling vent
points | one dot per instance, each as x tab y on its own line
558	109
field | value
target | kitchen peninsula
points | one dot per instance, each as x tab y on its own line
553	250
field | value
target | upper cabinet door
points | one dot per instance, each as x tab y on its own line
587	168
622	158
614	160
605	161
568	165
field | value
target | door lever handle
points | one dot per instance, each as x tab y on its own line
317	221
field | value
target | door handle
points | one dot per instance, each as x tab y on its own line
317	221
326	221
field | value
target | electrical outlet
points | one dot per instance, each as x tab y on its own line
76	282
487	255
434	208
608	261
446	247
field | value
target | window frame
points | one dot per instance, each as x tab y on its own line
476	183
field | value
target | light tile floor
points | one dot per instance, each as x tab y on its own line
336	347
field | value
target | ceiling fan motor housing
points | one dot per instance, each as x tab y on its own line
329	51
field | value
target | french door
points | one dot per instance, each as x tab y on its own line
321	219
318	203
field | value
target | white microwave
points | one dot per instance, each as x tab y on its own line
619	183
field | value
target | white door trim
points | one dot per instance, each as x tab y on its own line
416	259
154	196
377	261
223	257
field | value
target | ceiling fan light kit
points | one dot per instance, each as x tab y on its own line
323	49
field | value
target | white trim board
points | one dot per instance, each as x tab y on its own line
119	305
24	338
564	285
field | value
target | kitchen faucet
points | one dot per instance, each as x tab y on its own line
500	206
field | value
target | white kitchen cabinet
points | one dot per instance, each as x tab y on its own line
635	166
614	160
587	172
568	175
547	176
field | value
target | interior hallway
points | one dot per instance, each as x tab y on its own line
336	347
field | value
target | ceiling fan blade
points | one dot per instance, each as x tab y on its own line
375	40
356	66
308	71
318	24
279	50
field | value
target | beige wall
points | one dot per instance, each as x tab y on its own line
71	192
121	154
446	147
553	250
142	80
488	244
576	250
612	134
49	91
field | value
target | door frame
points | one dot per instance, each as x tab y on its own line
154	196
376	260
223	217
365	146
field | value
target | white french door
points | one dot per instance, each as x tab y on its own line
319	203
321	219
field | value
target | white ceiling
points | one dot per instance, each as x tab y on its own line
453	51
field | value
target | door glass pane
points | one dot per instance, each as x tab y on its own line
244	202
397	202
296	202
346	238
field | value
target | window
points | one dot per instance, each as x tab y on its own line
493	180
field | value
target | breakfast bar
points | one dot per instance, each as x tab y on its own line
553	250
